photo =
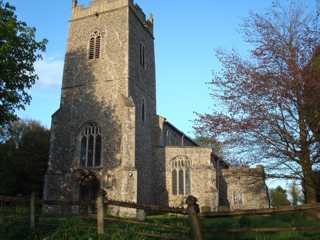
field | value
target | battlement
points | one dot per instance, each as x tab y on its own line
147	22
97	7
258	171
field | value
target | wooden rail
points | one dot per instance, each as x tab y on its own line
267	230
267	211
155	208
7	199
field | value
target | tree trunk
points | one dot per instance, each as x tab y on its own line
309	185
308	182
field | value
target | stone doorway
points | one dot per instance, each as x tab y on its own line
89	186
89	190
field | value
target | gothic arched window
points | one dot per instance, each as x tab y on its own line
90	146
95	46
181	176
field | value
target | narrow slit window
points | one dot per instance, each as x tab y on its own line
143	111
142	55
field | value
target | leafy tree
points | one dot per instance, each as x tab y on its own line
24	158
205	141
271	97
18	52
279	197
295	195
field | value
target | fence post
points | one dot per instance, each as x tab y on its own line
193	211
100	212
32	210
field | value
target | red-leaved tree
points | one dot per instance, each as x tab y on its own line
269	102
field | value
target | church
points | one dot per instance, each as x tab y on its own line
107	135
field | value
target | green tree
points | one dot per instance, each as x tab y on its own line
296	197
205	141
19	50
24	158
279	197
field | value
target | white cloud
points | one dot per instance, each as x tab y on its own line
50	73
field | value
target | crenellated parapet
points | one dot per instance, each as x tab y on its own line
97	7
146	21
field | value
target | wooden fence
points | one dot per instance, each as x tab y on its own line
102	221
192	211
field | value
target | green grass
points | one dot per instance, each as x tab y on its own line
287	220
16	227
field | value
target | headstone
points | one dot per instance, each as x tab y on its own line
141	215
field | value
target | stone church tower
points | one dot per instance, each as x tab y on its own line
101	136
107	134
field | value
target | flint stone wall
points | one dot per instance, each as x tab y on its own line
248	184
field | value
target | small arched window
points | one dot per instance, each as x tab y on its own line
95	46
181	176
90	146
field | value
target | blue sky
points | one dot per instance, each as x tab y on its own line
186	32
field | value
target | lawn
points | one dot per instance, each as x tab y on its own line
16	227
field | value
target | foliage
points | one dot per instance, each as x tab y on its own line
279	197
271	221
24	158
296	197
18	52
205	141
271	98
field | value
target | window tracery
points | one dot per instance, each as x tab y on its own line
181	176
90	146
95	46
